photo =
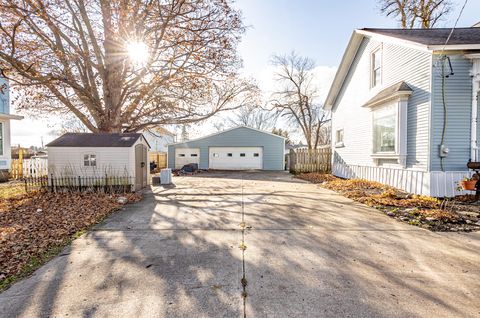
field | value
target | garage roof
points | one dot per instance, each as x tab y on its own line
96	140
224	131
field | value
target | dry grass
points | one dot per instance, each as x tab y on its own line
414	209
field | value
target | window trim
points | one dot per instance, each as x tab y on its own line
401	108
339	143
373	83
89	160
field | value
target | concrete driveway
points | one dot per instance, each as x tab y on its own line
309	253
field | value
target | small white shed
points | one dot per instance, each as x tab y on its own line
99	155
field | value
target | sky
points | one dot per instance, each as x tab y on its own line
319	29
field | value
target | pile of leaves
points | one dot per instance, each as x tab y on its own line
36	226
458	214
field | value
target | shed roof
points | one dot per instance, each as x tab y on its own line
95	140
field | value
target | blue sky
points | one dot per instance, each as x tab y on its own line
319	29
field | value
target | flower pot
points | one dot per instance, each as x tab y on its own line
468	185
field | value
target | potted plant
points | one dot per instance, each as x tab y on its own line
468	183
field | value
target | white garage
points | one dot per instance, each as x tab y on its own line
185	156
235	158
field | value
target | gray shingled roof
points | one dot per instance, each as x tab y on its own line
95	140
400	87
435	36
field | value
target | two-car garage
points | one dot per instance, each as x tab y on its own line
240	148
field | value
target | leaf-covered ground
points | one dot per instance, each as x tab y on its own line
35	226
457	214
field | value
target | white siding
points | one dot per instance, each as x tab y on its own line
399	64
113	161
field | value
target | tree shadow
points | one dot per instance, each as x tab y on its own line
310	252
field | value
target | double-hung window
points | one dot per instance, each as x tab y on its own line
376	67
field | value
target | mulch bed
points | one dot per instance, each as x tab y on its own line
461	213
32	225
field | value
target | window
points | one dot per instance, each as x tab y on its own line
339	138
90	160
256	154
1	139
215	155
181	155
230	154
193	155
242	154
376	71
384	129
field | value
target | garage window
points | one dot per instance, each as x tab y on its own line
256	154
242	154
230	154
215	155
181	155
193	155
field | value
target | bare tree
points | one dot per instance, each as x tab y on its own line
283	133
416	13
255	117
124	65
296	97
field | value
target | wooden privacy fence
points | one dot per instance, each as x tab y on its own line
26	168
160	158
310	160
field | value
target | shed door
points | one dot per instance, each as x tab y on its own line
236	158
140	166
184	156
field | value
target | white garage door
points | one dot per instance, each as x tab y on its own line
236	158
184	156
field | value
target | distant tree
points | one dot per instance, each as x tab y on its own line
416	13
124	65
255	117
283	133
296	99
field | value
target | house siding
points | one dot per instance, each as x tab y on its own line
399	64
6	154
458	95
273	147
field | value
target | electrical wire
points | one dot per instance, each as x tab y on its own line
444	98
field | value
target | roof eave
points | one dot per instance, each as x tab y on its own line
343	68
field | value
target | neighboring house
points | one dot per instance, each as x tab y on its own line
158	138
389	123
238	148
5	117
99	155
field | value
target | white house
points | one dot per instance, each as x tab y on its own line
5	117
158	138
405	108
98	155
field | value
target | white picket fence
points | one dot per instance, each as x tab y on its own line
433	183
36	167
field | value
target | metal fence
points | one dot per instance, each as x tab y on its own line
104	184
